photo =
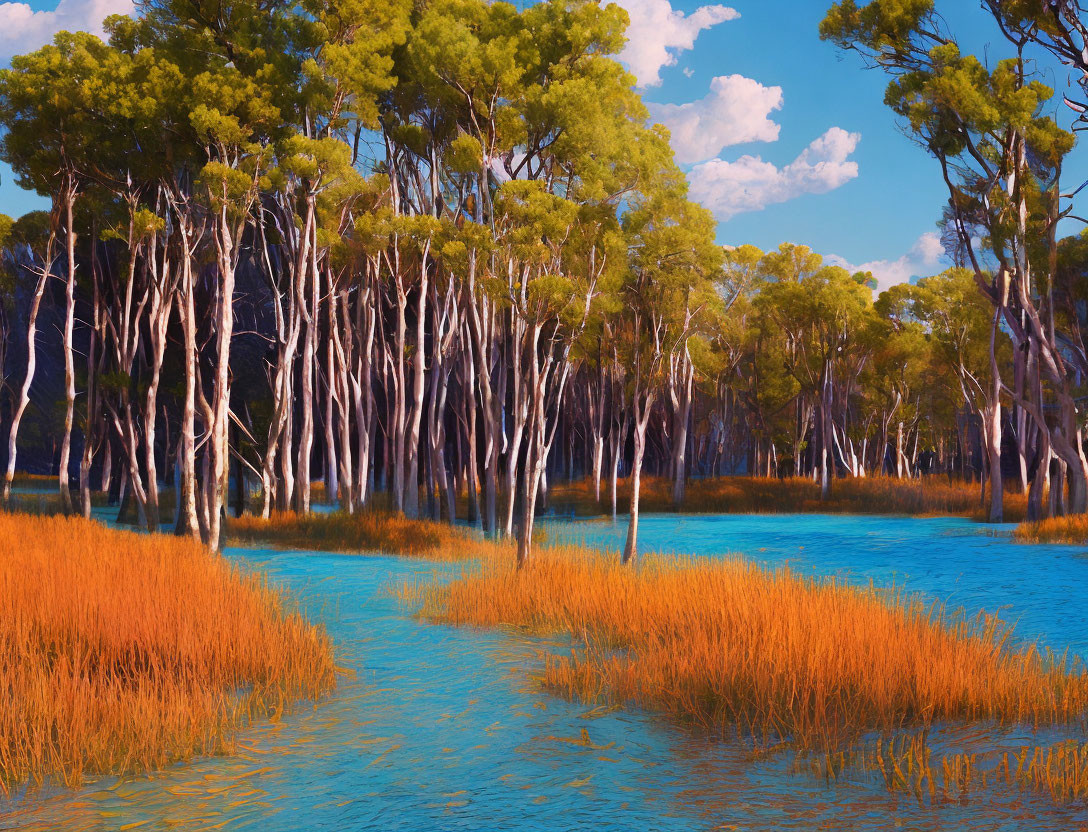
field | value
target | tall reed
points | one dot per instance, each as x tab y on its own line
774	656
122	652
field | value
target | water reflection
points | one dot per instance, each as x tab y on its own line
443	728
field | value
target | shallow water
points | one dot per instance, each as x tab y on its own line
1043	590
443	728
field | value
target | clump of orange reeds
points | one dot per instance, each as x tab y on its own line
122	652
366	532
768	495
1072	528
774	656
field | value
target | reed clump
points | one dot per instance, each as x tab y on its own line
373	531
122	652
1072	528
930	495
774	656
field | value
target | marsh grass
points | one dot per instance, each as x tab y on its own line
123	652
931	495
367	532
733	648
1072	528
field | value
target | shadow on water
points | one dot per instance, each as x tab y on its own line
444	728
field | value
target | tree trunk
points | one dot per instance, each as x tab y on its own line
680	429
340	355
630	546
993	432
64	475
308	305
91	431
415	417
31	365
218	453
186	523
468	395
332	474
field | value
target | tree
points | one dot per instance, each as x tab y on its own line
1001	159
48	142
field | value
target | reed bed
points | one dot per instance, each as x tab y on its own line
773	656
367	532
1072	528
122	652
930	495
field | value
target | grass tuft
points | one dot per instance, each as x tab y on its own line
1072	528
366	532
122	652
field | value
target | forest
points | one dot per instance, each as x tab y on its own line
434	256
347	326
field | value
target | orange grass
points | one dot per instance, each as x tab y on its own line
767	495
366	532
122	652
1072	528
777	657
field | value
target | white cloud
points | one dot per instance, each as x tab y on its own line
23	30
750	184
736	110
658	34
923	259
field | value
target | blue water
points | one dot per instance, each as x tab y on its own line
1041	589
444	728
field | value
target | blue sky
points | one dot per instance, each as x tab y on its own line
791	143
881	214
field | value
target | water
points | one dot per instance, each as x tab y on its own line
444	728
1042	589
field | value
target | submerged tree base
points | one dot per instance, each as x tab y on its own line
123	652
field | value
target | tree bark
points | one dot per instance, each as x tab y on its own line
63	472
641	420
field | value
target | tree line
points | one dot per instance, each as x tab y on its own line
433	253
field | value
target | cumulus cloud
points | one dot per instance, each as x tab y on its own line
658	34
735	111
750	184
924	258
23	30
